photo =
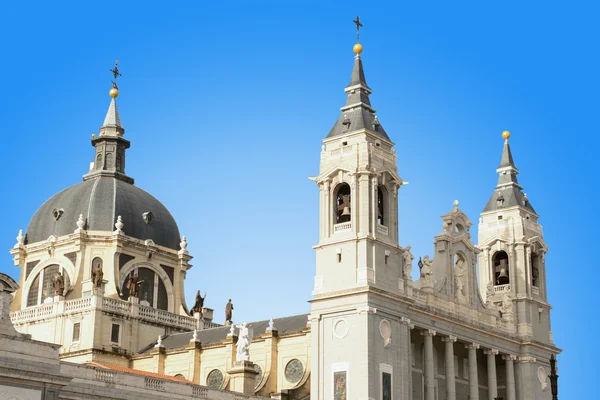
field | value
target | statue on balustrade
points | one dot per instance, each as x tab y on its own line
243	343
133	285
408	259
228	312
426	272
59	284
489	294
199	304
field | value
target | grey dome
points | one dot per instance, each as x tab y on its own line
101	201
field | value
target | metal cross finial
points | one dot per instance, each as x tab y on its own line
358	26
116	74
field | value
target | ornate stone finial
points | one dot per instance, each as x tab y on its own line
80	223
159	342
455	203
20	237
183	245
195	336
93	136
231	331
119	225
271	326
506	135
114	92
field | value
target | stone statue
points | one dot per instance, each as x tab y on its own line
408	259
459	278
97	274
507	304
228	311
243	343
199	304
59	284
133	285
426	272
489	293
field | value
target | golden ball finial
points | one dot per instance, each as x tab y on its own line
114	93
357	48
506	135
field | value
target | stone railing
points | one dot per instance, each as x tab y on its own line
382	229
78	304
107	304
344	226
210	325
502	288
116	384
341	150
115	305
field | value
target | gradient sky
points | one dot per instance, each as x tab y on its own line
226	107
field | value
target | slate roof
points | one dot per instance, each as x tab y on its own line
112	116
213	335
101	200
508	192
358	113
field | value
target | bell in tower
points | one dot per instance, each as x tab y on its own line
343	204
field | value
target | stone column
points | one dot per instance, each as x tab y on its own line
429	371
450	381
491	370
473	379
510	377
405	375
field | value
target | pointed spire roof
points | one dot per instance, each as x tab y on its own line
358	113
508	192
112	118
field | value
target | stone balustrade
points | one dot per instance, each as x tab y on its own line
91	379
344	226
107	304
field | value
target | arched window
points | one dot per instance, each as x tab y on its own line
535	270
119	164
152	289
98	161
382	206
109	161
44	283
501	270
343	207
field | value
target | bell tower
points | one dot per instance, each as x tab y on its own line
358	258
512	259
358	185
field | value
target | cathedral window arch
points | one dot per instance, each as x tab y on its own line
342	206
534	263
42	286
119	163
382	206
155	286
99	161
501	270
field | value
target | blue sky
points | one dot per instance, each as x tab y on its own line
226	107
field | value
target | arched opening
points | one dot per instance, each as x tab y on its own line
501	270
109	161
42	288
535	270
151	289
119	164
98	161
343	207
381	207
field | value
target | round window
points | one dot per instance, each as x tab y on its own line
214	380
294	371
259	376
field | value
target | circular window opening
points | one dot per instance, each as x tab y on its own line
214	380
294	371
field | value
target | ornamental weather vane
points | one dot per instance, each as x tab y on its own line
358	26
116	74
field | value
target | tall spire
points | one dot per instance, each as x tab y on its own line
358	113
109	159
508	192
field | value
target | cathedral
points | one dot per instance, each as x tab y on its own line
99	309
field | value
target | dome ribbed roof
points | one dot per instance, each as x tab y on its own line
101	200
